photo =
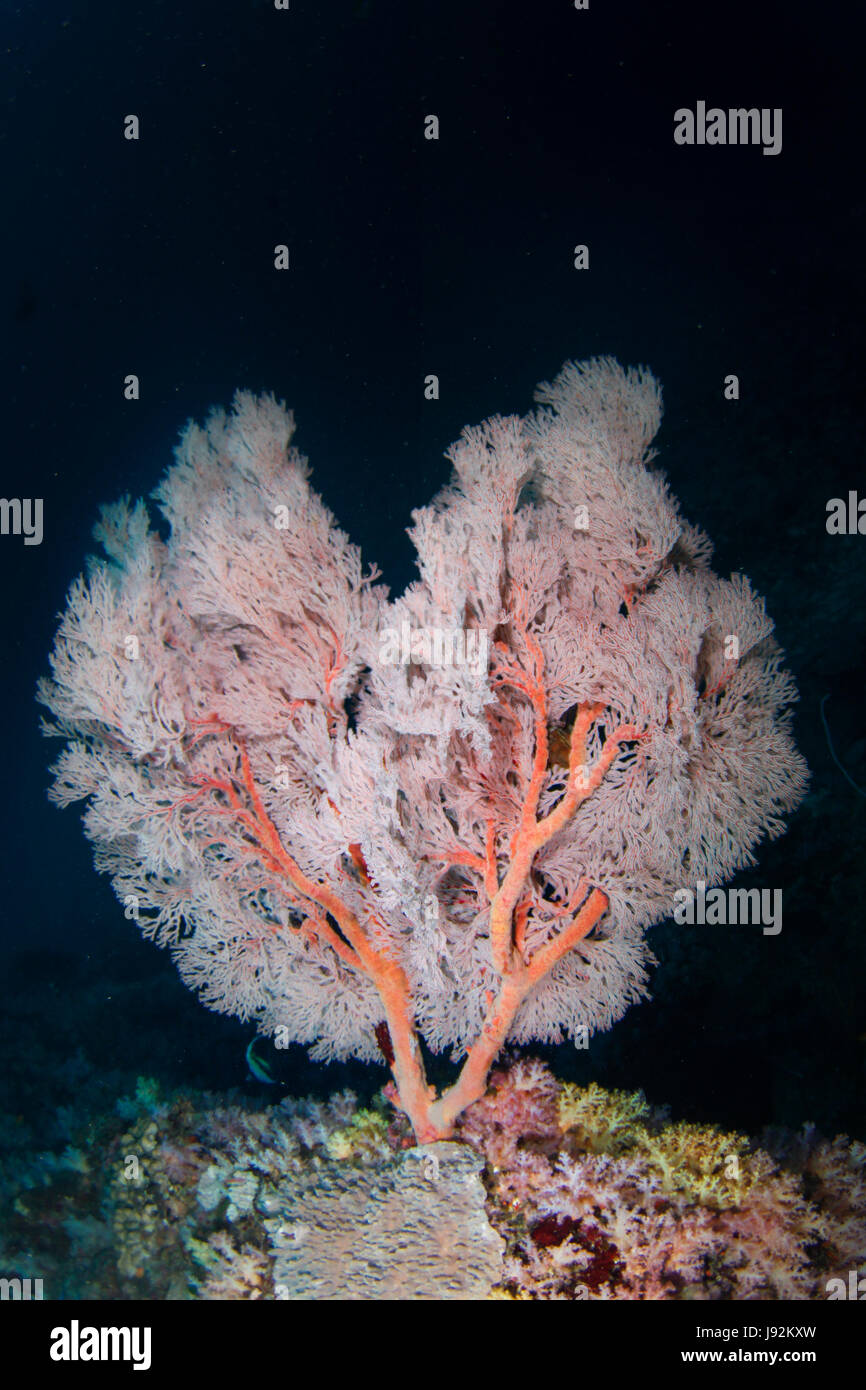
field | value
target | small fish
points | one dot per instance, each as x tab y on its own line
558	747
261	1070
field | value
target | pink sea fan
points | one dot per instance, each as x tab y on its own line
354	820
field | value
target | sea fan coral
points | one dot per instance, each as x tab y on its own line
355	821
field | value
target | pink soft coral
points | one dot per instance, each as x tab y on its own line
598	1198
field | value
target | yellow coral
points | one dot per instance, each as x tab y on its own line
365	1136
708	1165
705	1164
602	1121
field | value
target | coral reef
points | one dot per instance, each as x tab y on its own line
552	1191
598	1197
